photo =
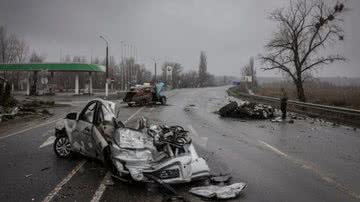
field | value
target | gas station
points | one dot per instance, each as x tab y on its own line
52	68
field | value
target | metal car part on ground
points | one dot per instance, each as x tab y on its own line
219	191
165	152
246	110
145	94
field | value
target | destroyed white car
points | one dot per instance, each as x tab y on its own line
143	154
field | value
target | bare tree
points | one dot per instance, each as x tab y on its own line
67	58
189	79
76	59
12	50
36	58
21	51
202	70
304	29
12	42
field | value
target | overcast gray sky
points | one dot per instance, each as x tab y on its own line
229	31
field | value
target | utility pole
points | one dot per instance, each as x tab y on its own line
122	64
107	67
154	70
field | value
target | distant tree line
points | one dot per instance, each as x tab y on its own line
12	50
124	73
173	75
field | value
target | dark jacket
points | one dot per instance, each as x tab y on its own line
283	100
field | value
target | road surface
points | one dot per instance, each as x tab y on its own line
305	161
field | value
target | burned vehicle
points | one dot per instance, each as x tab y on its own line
249	110
140	154
145	94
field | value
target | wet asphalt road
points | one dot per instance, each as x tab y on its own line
304	161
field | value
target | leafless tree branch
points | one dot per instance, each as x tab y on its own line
305	28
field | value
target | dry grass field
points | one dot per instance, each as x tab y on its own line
317	92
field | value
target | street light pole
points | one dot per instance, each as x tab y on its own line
155	70
107	67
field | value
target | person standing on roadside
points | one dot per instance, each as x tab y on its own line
283	103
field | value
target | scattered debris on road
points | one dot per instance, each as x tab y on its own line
149	153
246	110
220	179
10	113
26	108
219	191
29	175
46	168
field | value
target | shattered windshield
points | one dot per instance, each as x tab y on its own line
88	113
105	114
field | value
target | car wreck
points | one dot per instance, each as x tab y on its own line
139	154
247	109
145	94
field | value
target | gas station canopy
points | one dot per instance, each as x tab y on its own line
53	67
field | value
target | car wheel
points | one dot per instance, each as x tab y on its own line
62	146
130	104
163	100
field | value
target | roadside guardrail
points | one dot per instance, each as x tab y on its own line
339	114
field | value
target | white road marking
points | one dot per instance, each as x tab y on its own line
29	128
321	174
48	142
73	103
102	187
63	182
134	114
193	131
202	141
100	191
274	149
48	133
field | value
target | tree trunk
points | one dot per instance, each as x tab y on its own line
300	91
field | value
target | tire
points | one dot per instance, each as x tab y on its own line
163	100
130	104
228	109
62	146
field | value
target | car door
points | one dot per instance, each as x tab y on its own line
82	141
104	127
